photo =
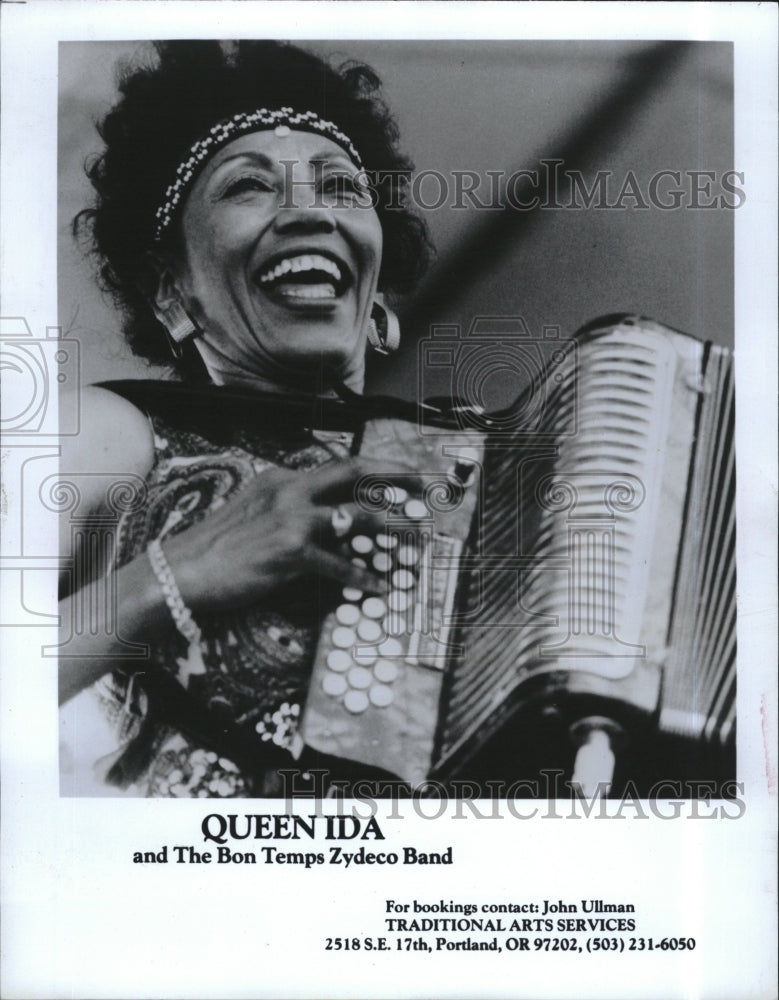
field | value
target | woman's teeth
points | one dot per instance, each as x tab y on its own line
299	265
307	291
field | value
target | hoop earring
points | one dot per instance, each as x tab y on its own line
179	326
384	328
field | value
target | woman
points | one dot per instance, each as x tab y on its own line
249	218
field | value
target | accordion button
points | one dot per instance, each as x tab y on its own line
356	701
398	600
415	509
369	631
380	695
395	494
390	647
334	685
382	562
351	593
403	579
343	637
386	541
407	555
359	678
362	544
373	607
385	671
348	614
339	660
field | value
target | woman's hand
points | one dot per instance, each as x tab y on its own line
275	530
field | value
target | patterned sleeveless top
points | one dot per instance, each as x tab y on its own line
254	663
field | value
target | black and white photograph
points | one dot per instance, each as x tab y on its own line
484	535
388	453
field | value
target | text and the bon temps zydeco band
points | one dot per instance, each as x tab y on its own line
344	833
342	839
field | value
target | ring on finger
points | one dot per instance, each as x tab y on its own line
340	521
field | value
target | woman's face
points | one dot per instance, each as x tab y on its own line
281	256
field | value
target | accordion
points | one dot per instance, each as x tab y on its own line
566	591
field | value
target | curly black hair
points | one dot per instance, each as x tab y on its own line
169	104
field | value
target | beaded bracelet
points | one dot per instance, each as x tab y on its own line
182	616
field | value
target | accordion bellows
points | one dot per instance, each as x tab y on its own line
585	577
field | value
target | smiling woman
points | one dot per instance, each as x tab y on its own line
281	286
236	230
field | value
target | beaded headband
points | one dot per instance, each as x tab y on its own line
244	121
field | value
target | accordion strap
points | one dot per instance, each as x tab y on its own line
222	408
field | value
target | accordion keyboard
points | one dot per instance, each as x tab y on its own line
378	672
369	639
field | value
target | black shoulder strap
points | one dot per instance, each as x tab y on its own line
220	408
